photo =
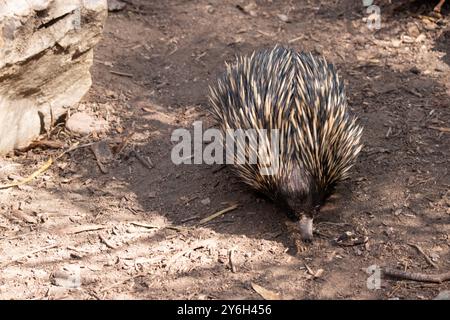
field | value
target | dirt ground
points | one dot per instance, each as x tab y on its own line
133	229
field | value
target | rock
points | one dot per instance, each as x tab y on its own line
408	39
413	30
206	201
283	17
116	5
429	25
210	9
396	43
83	123
249	9
46	51
415	70
421	37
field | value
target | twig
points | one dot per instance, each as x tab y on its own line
17	236
173	51
78	250
416	276
190	200
357	242
149	226
218	214
175	257
269	35
189	219
15	259
265	293
434	265
123	74
52	144
310	271
230	260
413	92
142	160
179	229
124	143
106	242
296	39
35	174
74	147
100	165
340	224
200	56
85	228
144	225
441	129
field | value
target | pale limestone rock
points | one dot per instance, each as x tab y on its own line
84	124
46	51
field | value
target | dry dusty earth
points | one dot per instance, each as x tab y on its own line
133	230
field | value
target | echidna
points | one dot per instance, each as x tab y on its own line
301	95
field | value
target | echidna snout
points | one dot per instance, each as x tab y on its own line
306	228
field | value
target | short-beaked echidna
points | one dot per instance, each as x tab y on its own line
301	95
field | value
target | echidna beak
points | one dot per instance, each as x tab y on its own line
306	228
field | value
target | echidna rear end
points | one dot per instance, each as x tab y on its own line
300	96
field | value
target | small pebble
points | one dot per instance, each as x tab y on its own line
84	124
283	17
206	201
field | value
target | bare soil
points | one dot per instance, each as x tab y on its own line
133	229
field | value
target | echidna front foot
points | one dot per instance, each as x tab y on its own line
306	228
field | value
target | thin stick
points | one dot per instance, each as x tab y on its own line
35	174
75	146
441	129
296	39
83	228
230	260
142	160
434	265
123	74
417	276
124	143
106	242
144	225
219	213
44	167
29	253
